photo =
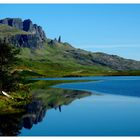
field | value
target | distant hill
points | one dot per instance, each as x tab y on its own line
53	57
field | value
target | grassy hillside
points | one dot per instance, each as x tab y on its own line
55	61
62	60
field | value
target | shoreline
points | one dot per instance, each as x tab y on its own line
60	86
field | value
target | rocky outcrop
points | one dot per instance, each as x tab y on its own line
30	41
14	22
34	36
28	26
59	39
54	42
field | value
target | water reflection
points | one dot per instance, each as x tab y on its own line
35	112
43	100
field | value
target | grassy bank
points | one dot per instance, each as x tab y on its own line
9	106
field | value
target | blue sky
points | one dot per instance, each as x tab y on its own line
114	29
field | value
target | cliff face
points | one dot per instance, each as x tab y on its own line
16	22
34	37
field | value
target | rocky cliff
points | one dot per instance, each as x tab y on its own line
33	36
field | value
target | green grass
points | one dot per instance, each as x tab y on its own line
9	106
127	73
53	61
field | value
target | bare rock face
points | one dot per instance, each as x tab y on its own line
28	26
14	22
34	38
30	41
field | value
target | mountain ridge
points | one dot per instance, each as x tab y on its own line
39	49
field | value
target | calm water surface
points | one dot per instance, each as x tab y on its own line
109	106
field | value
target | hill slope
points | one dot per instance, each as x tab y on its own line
64	60
52	58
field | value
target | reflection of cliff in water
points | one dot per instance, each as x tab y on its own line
11	124
35	112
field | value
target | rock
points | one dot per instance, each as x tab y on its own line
28	25
53	42
30	41
14	22
59	39
34	38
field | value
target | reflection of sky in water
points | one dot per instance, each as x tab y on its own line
94	78
105	114
112	86
91	116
